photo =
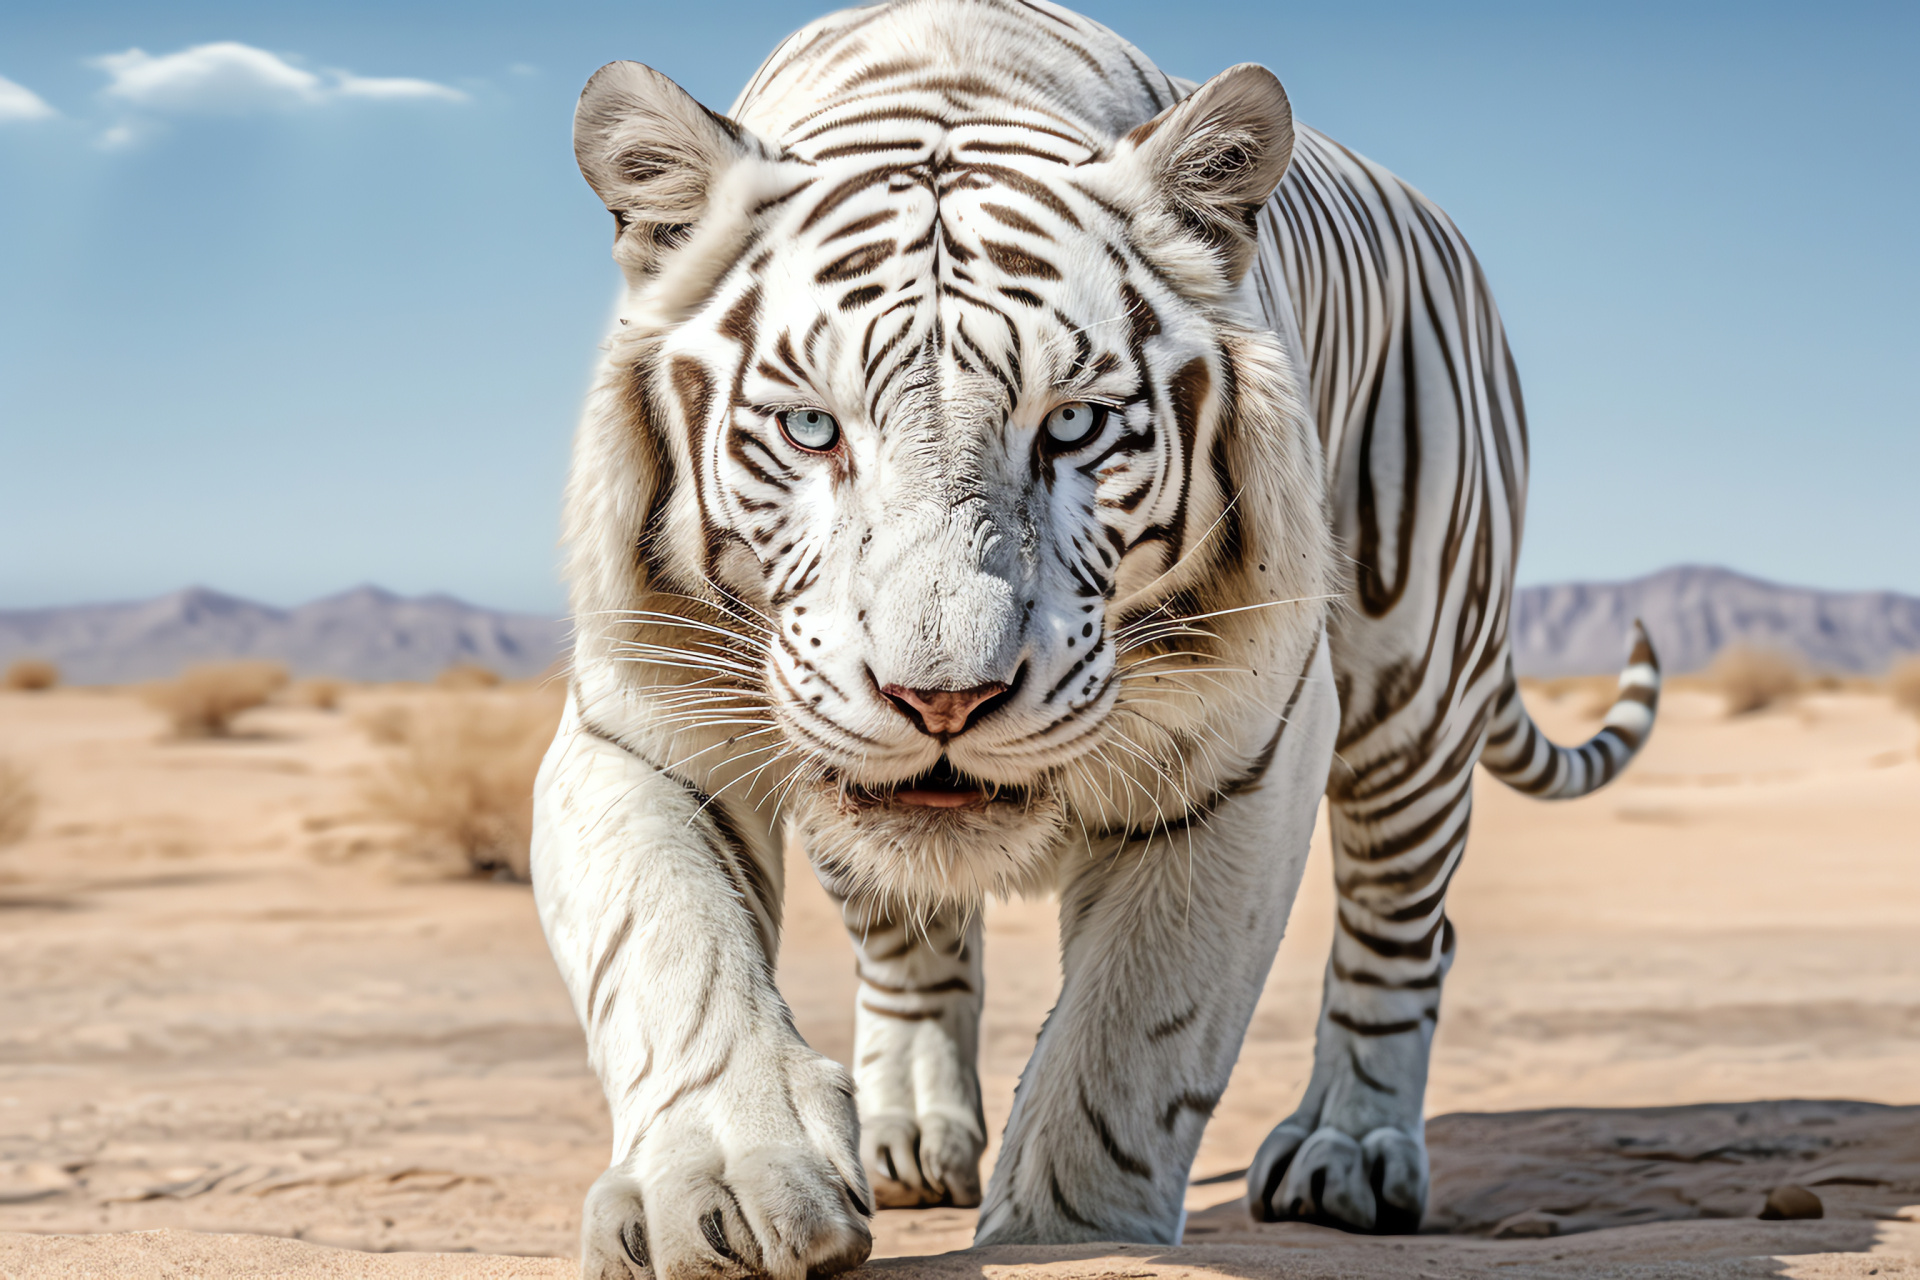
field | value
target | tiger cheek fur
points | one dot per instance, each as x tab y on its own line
959	495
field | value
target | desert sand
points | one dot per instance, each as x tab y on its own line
242	1032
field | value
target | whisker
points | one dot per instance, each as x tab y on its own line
1248	608
689	624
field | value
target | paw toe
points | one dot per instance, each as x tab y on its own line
613	1230
890	1149
950	1160
1397	1173
796	1218
1269	1167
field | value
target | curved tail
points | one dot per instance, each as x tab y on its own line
1521	756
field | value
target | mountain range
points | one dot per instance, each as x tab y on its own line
363	634
369	634
1692	612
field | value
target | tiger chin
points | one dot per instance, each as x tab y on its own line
1014	471
937	841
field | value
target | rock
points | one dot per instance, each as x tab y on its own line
1533	1224
1789	1201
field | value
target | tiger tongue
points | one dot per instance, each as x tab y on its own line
924	798
940	788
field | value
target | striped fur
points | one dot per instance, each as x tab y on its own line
936	222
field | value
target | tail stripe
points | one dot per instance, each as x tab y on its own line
1525	759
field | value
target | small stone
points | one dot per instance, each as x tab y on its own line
1788	1201
1533	1224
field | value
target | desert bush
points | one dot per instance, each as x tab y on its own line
466	676
1596	693
460	777
31	675
388	725
321	693
1833	682
1903	682
1753	679
18	803
204	700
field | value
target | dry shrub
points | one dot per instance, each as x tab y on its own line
1753	679
461	778
1903	682
18	803
203	702
1596	693
466	676
31	675
388	725
321	693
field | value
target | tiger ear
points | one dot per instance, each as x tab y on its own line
652	154
1216	155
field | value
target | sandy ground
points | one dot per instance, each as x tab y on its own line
230	1004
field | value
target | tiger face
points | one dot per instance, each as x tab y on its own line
949	410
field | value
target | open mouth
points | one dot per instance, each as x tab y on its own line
941	787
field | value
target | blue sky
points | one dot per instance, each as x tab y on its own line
315	306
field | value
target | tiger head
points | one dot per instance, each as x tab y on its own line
932	428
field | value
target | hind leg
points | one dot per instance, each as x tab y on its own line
1354	1154
916	1051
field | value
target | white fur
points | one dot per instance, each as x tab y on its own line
1052	220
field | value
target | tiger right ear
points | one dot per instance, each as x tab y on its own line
652	154
1216	155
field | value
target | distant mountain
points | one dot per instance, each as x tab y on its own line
363	634
370	634
1691	613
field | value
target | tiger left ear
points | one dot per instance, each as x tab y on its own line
1216	155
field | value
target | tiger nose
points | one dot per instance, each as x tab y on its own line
941	712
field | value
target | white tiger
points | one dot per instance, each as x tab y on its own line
962	493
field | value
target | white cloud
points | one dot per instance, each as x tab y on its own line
352	86
229	77
226	76
119	137
17	102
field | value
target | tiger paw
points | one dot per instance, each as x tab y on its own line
736	1183
1375	1183
916	1161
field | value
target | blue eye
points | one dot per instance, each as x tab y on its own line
1074	423
810	429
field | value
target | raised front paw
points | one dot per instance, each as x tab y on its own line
757	1179
1377	1182
914	1161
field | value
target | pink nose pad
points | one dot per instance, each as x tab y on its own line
942	712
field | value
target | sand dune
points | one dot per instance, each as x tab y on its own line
233	1007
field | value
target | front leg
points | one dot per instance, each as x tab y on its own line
916	1053
1166	940
735	1145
